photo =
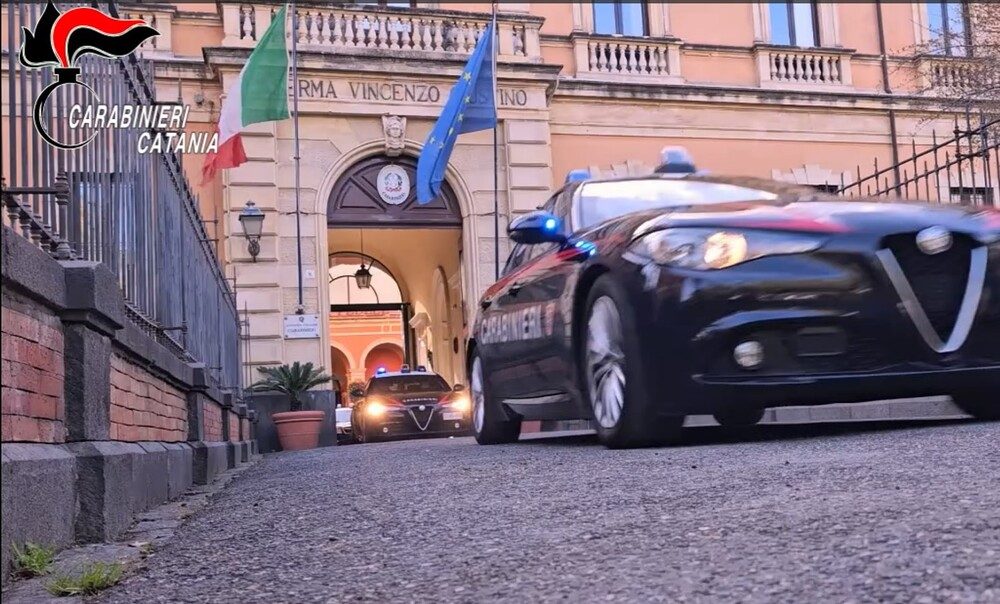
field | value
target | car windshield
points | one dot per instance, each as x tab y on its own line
408	383
600	201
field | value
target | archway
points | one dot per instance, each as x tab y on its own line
386	356
375	222
340	366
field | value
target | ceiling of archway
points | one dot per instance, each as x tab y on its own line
357	201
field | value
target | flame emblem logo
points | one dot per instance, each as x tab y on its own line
60	39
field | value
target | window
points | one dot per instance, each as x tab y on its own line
516	258
600	201
407	384
971	195
620	18
794	23
947	24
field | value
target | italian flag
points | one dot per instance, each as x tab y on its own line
260	94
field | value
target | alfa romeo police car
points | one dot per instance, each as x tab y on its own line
633	302
409	403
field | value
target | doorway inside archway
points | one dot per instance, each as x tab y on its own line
412	311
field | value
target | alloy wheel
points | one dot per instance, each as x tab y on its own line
605	362
478	399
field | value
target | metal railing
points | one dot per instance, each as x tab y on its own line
962	169
133	212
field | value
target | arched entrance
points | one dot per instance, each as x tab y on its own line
388	356
372	213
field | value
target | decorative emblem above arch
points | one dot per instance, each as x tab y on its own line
381	191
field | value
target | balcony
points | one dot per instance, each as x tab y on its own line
957	76
627	59
789	68
373	30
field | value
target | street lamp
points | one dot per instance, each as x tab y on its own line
252	222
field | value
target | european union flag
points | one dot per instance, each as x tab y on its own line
470	107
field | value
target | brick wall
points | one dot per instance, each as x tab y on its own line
143	406
234	427
246	428
212	416
33	407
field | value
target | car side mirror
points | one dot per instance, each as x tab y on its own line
458	388
536	227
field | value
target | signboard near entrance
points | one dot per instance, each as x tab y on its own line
301	327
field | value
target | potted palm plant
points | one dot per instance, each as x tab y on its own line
297	429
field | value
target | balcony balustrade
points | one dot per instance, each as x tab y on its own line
803	68
627	59
377	30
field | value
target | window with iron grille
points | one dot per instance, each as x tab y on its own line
948	27
971	195
794	23
620	18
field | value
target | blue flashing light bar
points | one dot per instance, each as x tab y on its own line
380	371
578	175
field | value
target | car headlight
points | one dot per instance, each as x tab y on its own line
376	409
712	249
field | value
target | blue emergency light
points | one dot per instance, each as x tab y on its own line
676	160
577	175
551	224
380	371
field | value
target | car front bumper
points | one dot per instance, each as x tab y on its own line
831	327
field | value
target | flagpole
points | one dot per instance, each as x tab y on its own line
496	154
295	156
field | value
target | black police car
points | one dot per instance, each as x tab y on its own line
635	301
410	403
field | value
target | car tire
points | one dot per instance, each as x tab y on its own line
979	405
743	416
490	425
613	371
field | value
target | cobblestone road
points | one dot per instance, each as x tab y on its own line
832	513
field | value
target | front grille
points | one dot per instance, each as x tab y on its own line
422	417
938	280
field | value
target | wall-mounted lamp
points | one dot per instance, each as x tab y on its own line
252	222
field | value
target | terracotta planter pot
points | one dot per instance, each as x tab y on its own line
298	430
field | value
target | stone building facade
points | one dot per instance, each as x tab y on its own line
801	92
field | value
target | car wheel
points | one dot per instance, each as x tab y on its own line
747	416
613	370
489	424
978	405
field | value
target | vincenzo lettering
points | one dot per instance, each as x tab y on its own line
394	92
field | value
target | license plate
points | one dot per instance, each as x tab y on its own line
452	416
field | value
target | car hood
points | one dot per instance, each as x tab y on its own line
882	218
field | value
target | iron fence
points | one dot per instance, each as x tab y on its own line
964	168
134	212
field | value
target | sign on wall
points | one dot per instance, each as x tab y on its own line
301	326
393	184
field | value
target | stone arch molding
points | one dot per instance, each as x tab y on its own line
461	188
351	361
380	342
813	174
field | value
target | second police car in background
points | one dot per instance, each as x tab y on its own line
633	302
409	403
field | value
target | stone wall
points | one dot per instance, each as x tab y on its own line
145	407
32	358
100	420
